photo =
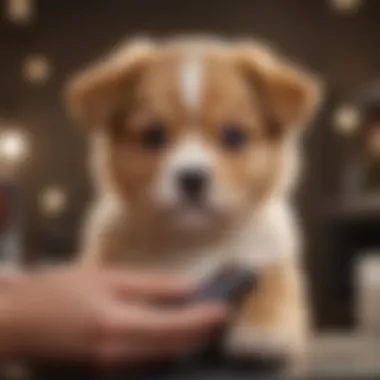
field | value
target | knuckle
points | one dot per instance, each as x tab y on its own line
101	356
104	325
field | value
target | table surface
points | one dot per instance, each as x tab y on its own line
206	373
343	354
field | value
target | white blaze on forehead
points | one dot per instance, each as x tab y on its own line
191	82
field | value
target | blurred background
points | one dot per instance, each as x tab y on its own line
45	185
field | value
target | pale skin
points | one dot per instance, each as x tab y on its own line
103	317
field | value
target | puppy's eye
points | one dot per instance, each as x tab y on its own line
154	136
233	137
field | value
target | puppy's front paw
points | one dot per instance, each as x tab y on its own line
254	341
276	348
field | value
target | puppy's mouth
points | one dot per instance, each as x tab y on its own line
195	213
197	206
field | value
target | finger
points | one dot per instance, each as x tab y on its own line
186	338
132	353
153	286
155	323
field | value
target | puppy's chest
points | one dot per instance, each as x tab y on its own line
196	259
254	245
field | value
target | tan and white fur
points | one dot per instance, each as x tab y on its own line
195	91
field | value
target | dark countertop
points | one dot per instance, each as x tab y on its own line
205	370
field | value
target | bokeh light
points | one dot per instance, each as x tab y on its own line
53	201
13	146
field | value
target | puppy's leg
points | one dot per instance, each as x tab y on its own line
273	322
104	228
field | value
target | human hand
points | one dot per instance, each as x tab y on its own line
103	316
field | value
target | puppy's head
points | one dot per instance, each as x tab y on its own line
191	130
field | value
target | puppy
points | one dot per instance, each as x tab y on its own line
194	155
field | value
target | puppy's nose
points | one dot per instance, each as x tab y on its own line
193	182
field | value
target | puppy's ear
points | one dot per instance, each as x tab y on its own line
290	95
93	95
